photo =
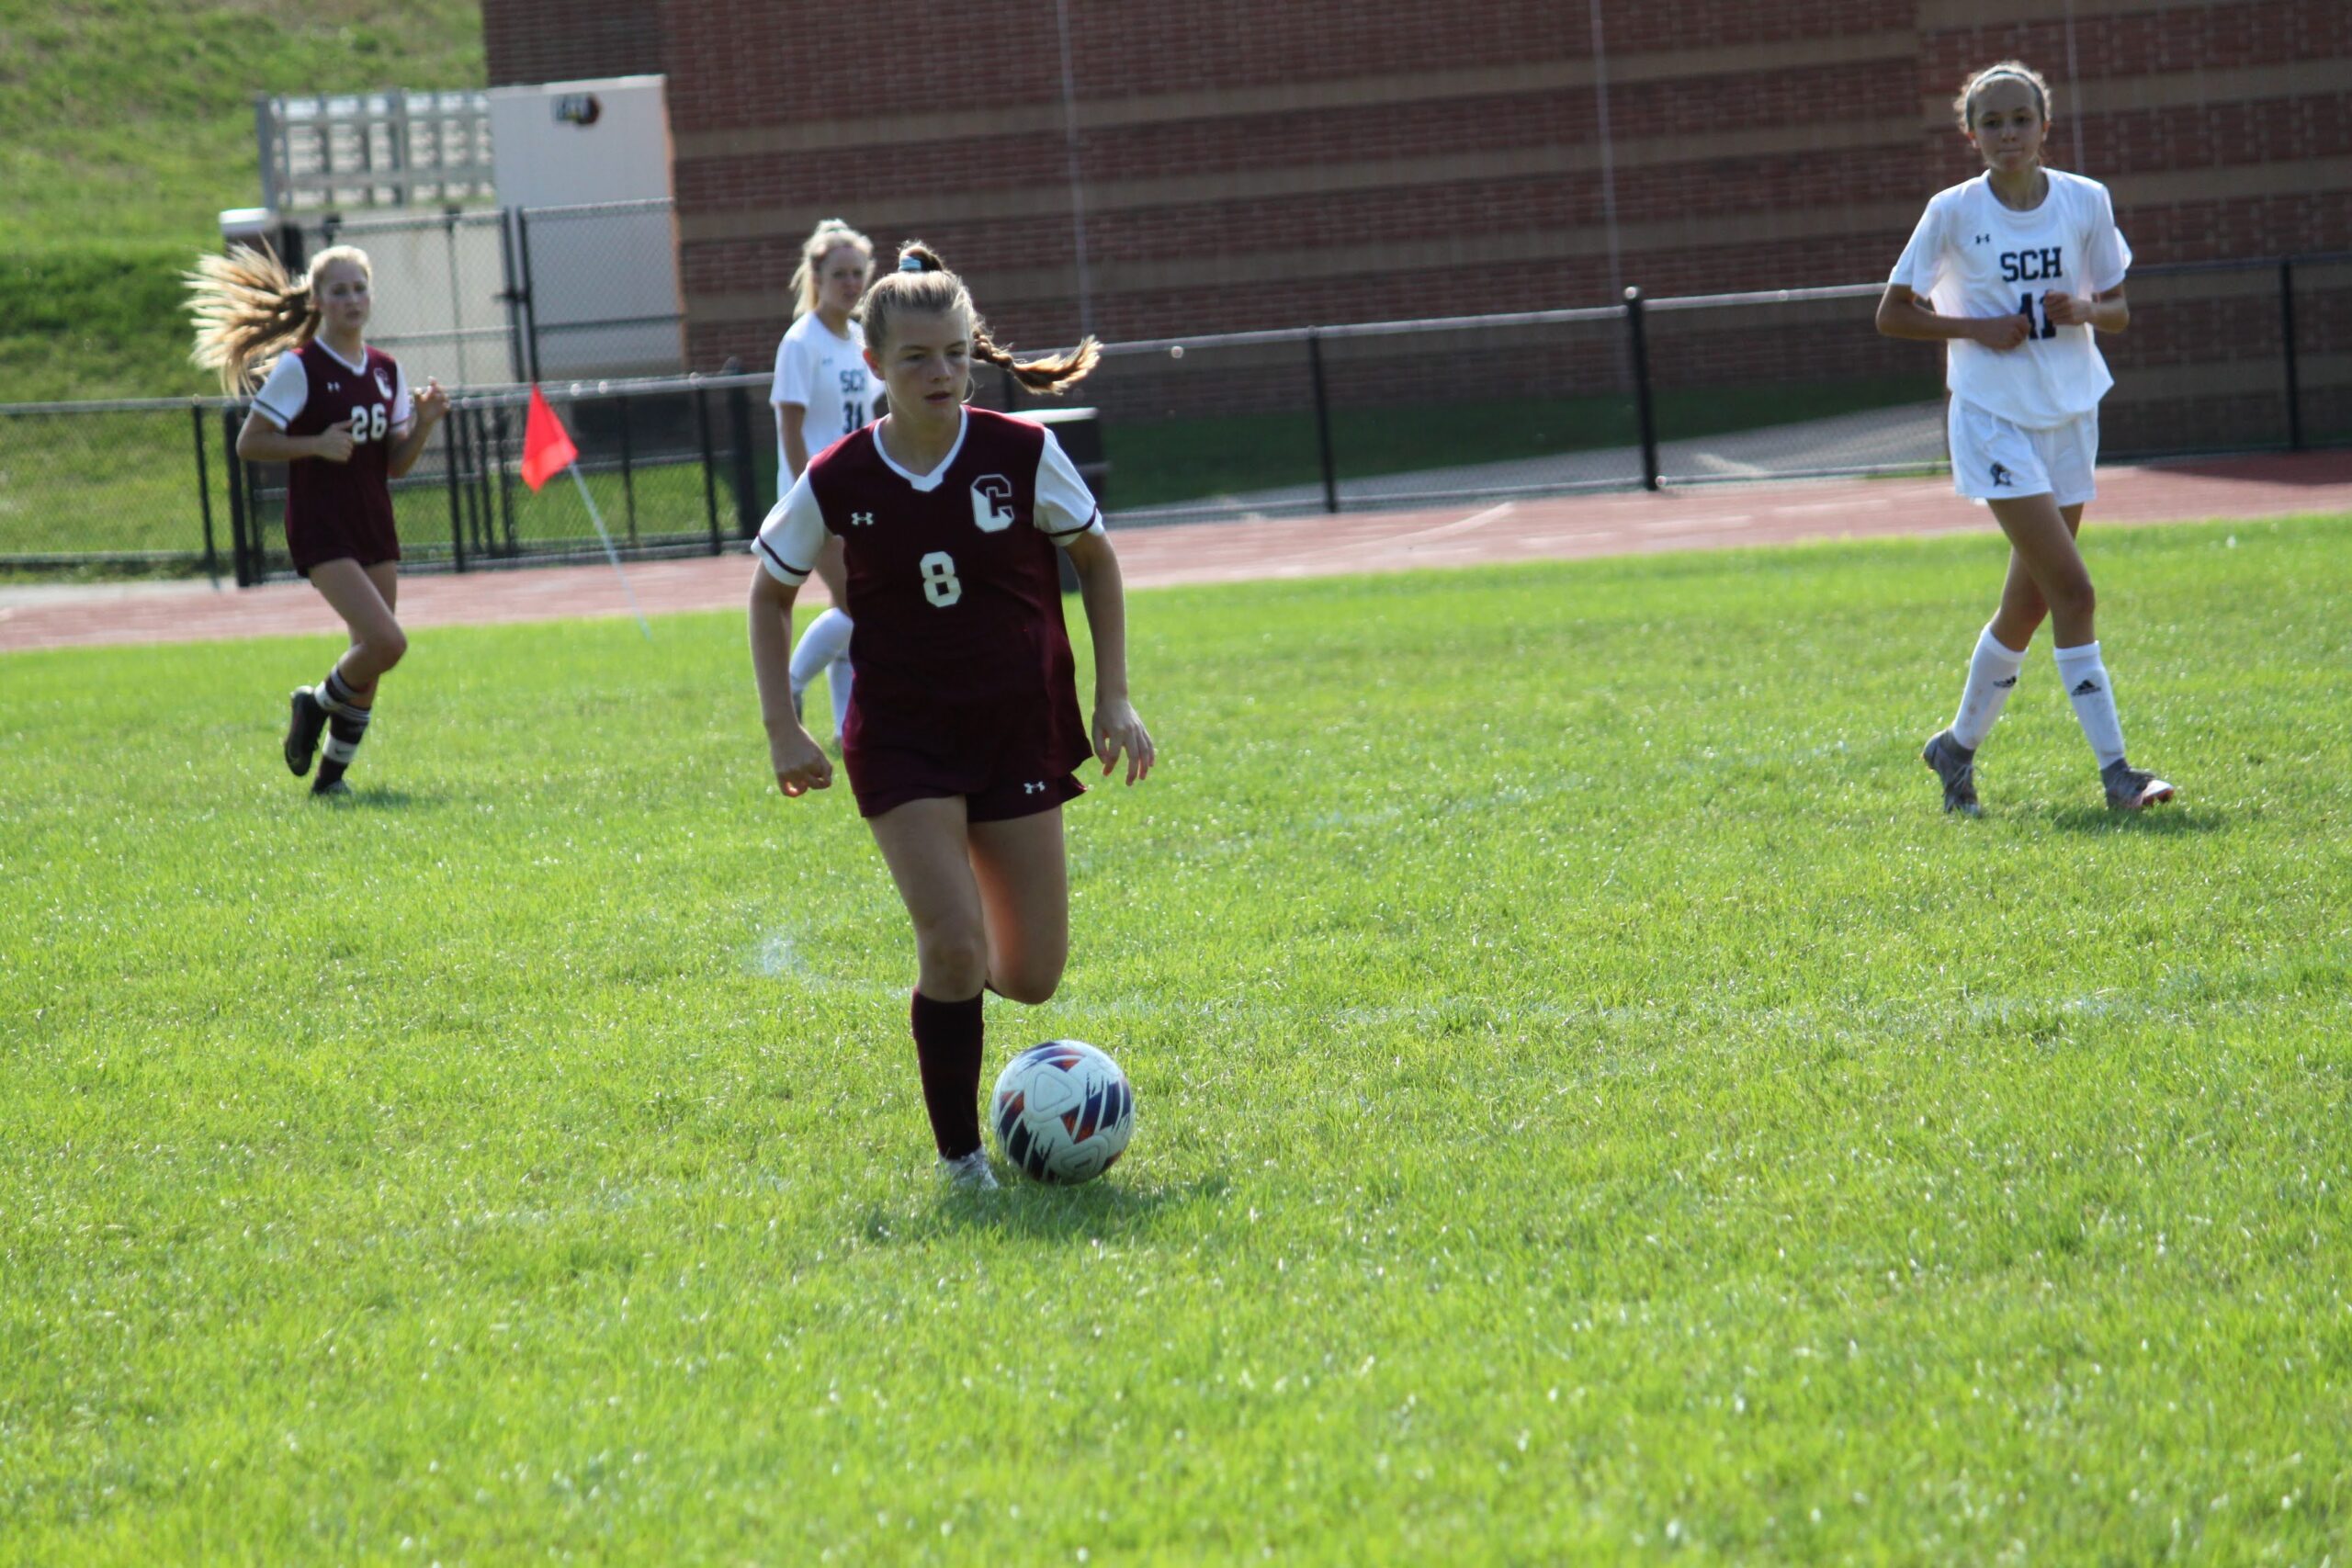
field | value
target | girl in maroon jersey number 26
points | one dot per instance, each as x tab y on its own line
963	725
339	415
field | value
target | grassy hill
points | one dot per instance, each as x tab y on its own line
126	126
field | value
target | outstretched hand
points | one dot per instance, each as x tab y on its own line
1118	729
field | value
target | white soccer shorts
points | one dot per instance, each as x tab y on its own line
1993	459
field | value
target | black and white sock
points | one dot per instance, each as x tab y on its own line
346	727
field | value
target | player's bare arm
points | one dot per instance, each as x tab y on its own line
1117	729
262	442
2107	312
800	763
789	420
1903	314
431	404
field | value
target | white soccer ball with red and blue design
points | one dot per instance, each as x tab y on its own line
1063	1112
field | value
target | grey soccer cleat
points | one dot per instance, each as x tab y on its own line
1956	765
2131	789
970	1171
302	729
330	789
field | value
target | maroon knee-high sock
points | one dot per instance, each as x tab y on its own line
947	1050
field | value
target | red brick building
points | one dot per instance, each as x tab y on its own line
1224	164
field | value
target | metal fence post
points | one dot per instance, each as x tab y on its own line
709	475
749	513
628	476
1322	420
513	296
1639	345
450	458
204	494
233	470
505	482
530	300
2287	340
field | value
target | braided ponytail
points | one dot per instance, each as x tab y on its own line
922	283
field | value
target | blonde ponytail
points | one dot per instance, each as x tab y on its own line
248	308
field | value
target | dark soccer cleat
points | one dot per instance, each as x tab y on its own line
329	789
2131	789
303	730
1956	765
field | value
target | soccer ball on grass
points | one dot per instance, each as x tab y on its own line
1063	1112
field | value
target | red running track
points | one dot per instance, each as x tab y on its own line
1550	528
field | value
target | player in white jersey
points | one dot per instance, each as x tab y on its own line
2014	270
823	391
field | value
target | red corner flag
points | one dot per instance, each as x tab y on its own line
547	450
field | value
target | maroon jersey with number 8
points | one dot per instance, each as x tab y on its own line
965	680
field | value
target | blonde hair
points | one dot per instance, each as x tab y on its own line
248	307
922	285
823	241
2016	70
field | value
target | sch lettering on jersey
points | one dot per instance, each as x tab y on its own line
2045	265
992	503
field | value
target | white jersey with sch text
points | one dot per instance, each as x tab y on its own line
1973	256
827	377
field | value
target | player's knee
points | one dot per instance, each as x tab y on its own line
955	962
2075	598
387	647
1029	989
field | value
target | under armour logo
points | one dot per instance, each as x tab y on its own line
1984	239
861	519
1033	789
2001	476
334	386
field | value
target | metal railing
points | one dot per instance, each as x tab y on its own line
2232	356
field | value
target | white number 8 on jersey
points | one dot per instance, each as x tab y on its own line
939	583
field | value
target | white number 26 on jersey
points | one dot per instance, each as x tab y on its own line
368	422
939	583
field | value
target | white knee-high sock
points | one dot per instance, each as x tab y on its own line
1992	676
838	676
826	640
2093	694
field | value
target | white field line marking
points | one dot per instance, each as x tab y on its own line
1459	525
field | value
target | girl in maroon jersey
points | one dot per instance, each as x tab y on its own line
963	727
338	413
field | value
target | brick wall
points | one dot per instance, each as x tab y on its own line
571	40
1244	164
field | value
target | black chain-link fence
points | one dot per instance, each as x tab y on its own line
2253	356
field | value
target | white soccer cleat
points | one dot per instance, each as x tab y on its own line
970	1172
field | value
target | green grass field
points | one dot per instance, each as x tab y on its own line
1593	1104
127	128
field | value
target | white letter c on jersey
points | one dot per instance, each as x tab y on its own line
987	515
